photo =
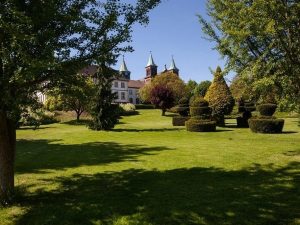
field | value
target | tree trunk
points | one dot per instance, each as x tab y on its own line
7	157
163	112
78	117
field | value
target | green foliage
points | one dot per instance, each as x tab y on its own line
127	109
53	102
219	96
199	111
200	116
35	118
190	87
263	125
258	39
202	88
76	96
104	113
196	125
199	102
267	109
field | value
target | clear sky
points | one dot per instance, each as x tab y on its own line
174	30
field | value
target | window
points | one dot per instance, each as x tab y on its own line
122	85
130	92
122	95
131	100
137	101
116	84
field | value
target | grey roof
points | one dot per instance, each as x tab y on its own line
173	66
123	67
150	61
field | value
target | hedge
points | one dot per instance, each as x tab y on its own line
179	120
196	111
261	125
267	109
195	125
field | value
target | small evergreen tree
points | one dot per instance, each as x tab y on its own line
219	97
104	113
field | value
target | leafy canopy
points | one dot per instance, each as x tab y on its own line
260	40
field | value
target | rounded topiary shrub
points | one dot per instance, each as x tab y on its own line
266	123
267	109
242	121
262	125
195	125
180	120
200	117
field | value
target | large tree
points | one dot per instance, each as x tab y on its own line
261	40
162	97
44	44
168	79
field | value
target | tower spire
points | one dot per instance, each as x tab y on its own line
173	67
151	67
150	60
123	71
123	67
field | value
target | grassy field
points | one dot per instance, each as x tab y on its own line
147	172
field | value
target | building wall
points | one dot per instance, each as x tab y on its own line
133	96
121	88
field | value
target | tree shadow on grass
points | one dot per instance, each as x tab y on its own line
34	156
256	195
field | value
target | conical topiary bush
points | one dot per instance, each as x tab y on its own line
200	117
219	97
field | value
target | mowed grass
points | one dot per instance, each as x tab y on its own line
146	171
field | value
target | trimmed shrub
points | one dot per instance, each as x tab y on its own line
259	125
127	109
199	102
195	125
267	109
219	97
200	121
242	121
196	111
179	120
182	111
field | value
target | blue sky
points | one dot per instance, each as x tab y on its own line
174	30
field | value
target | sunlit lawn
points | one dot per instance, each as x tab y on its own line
147	172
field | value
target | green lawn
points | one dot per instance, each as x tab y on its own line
147	172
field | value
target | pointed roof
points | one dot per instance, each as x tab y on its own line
173	66
123	67
150	61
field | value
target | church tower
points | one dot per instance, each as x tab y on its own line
124	72
151	68
173	67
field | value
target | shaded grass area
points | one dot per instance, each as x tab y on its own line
147	172
179	196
